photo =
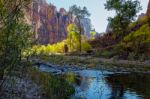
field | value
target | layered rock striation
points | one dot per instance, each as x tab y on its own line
48	24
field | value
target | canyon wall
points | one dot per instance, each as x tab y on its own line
49	24
148	9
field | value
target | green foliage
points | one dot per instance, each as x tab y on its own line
70	77
140	38
137	42
54	87
79	14
57	48
105	54
92	33
140	21
125	13
15	35
45	49
85	46
73	37
132	56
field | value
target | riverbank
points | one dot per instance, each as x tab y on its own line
30	82
95	63
27	82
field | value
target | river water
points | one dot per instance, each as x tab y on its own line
97	84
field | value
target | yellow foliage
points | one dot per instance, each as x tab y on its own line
45	49
85	46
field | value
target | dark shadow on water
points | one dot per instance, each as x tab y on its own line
92	84
120	84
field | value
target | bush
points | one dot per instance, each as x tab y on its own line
105	54
54	87
136	42
53	49
132	56
85	46
142	57
140	21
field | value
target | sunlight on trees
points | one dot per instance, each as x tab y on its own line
137	42
92	33
73	37
79	13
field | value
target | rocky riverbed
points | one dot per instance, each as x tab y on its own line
99	64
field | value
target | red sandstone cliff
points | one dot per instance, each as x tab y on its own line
148	9
48	24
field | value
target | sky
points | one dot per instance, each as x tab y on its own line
99	14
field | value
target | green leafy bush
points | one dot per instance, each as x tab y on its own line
132	56
105	54
137	42
54	87
85	46
142	20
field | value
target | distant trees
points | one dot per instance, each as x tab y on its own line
79	13
15	35
126	11
92	34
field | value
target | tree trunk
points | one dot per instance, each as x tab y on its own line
80	31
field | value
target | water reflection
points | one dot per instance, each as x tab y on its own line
127	85
95	84
90	84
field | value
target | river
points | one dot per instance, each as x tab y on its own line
100	84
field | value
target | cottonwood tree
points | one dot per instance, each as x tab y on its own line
79	14
73	37
126	11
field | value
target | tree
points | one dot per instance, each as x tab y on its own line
93	33
15	35
79	13
126	11
73	37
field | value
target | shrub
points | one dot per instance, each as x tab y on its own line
136	42
85	46
131	56
105	54
140	21
142	57
54	87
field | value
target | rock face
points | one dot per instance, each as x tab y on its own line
108	28
48	24
148	9
86	25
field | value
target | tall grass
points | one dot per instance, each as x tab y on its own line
54	87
